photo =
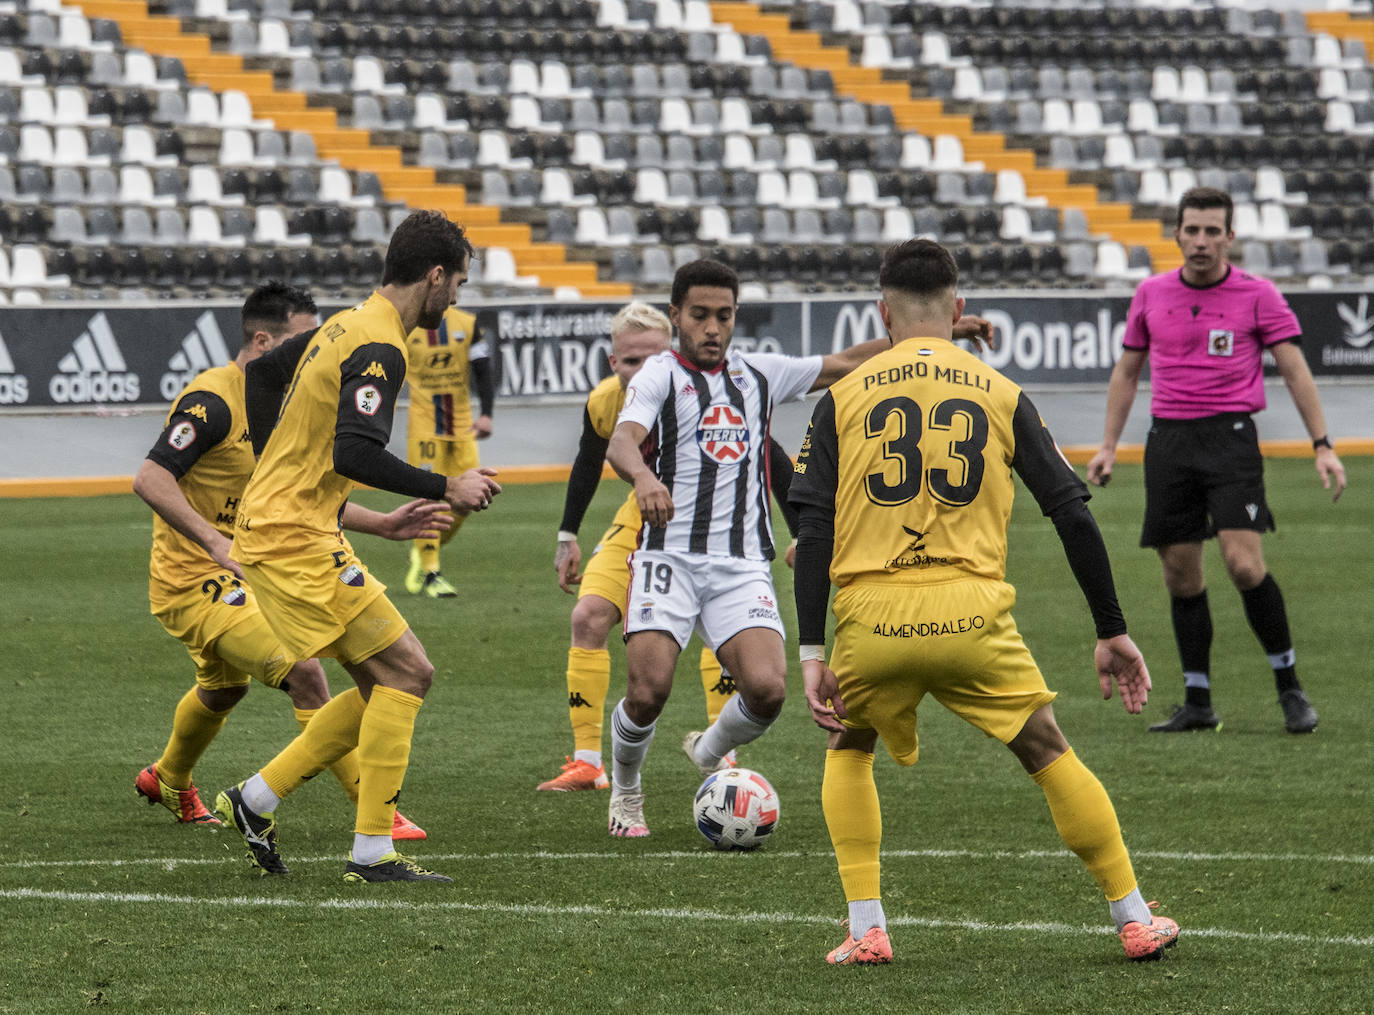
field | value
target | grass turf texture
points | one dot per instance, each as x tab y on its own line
1256	841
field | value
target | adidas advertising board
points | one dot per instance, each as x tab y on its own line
89	357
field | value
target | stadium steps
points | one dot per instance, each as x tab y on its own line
351	148
928	117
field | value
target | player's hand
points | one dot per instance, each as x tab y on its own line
1332	472
417	519
472	490
566	560
1100	468
219	553
977	330
790	555
1118	661
654	499
823	695
481	427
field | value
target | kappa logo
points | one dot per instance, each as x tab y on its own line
374	369
94	371
723	435
202	348
14	387
199	412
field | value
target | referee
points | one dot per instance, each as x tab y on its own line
1204	329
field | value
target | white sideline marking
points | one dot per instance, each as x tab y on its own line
699	915
171	863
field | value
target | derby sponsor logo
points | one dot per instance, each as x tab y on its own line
929	628
94	371
723	435
14	387
202	348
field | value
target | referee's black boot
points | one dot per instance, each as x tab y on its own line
1189	717
1298	714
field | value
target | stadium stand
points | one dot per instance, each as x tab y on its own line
175	148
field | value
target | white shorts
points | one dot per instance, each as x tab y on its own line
718	597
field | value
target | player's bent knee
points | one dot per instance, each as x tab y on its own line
765	701
592	621
222	699
306	685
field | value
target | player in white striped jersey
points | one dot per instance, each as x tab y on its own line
693	440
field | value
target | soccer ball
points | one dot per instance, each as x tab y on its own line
736	809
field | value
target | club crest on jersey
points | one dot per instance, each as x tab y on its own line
183	435
1221	342
368	399
646	612
740	378
352	575
722	434
234	597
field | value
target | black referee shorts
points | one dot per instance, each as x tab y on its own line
1202	475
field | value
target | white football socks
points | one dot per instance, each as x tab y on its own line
735	726
864	915
1131	909
592	758
258	796
371	848
629	743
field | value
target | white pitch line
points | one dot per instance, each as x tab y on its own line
171	863
680	913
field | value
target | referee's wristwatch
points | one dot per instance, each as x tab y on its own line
1321	442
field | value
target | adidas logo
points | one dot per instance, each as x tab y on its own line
14	388
200	350
94	371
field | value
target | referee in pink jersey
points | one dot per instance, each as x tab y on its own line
1204	329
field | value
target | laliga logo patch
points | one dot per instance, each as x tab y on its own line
235	597
368	399
722	434
183	435
352	575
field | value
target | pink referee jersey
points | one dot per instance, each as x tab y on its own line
1205	343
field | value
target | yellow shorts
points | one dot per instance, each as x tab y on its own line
224	632
956	642
442	455
326	604
608	572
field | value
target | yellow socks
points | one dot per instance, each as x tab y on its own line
1087	823
346	768
589	680
331	733
717	686
428	552
193	727
849	800
383	755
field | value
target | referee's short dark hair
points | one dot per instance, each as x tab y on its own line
422	240
270	305
1205	197
919	267
703	272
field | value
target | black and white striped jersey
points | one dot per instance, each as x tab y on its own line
708	443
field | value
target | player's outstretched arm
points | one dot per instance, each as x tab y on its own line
160	489
416	519
472	490
1120	663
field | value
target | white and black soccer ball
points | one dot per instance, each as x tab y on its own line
736	809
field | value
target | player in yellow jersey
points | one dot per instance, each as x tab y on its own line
193	478
904	484
331	434
441	433
638	331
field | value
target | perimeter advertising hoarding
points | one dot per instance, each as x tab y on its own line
89	357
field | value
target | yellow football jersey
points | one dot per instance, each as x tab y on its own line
204	444
440	400
345	383
915	450
604	405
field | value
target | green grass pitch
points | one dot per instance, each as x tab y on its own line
1259	843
